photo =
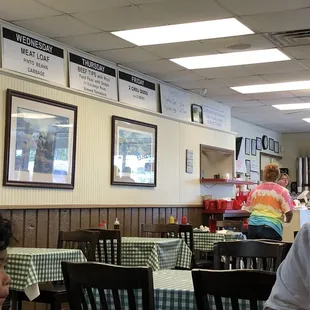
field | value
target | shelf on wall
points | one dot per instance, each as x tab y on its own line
225	181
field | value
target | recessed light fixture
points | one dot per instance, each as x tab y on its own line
306	120
272	87
292	106
211	29
231	59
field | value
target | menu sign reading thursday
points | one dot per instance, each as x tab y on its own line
30	55
92	77
137	91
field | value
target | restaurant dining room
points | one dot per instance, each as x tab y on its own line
154	154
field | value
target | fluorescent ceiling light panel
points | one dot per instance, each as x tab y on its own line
272	87
231	59
292	106
306	120
211	29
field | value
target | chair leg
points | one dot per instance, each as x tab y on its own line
55	305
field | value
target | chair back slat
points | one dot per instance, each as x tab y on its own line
160	230
186	233
85	241
251	285
109	247
254	254
98	277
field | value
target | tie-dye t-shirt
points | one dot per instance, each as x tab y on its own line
268	202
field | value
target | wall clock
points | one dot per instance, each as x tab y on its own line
265	142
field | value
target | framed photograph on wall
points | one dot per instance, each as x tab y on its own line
40	142
134	153
247	146
271	144
253	147
276	147
248	167
197	115
258	143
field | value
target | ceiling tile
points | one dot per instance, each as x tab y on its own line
256	41
301	92
305	99
157	66
74	6
176	50
249	7
298	52
126	55
305	62
243	104
236	97
243	80
275	67
95	42
278	21
281	101
190	84
214	73
292	76
182	75
57	26
183	11
14	10
274	95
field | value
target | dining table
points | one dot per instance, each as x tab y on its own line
28	267
173	290
157	253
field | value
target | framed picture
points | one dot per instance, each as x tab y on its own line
276	147
197	115
134	153
258	143
247	146
253	147
271	144
248	167
40	142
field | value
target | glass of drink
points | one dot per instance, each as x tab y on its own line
212	225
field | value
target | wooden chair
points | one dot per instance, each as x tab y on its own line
109	246
236	226
248	254
55	294
286	246
186	233
83	277
252	285
160	230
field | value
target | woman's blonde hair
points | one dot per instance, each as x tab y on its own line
285	175
271	173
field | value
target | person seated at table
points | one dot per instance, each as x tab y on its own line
269	203
292	287
284	180
5	236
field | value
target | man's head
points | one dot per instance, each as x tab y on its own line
5	236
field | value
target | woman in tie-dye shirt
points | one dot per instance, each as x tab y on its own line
267	203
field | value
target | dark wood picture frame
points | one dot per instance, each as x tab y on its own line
197	113
276	147
247	148
124	176
32	135
253	147
258	143
271	144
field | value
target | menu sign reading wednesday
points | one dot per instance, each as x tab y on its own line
92	77
137	91
30	55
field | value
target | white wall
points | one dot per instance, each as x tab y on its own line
92	183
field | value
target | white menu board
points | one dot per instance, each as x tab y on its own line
214	118
138	91
31	55
92	76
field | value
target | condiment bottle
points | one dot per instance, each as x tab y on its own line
116	224
103	224
171	219
184	220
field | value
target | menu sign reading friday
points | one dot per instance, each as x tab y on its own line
92	77
137	91
29	55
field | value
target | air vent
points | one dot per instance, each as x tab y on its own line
290	38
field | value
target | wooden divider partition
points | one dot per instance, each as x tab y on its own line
39	227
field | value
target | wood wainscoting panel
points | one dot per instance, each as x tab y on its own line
40	227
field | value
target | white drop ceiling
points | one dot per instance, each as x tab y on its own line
85	24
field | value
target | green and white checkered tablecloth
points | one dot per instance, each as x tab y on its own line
157	253
29	266
204	241
173	290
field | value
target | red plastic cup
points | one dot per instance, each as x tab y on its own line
212	225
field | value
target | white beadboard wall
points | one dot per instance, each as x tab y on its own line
92	174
